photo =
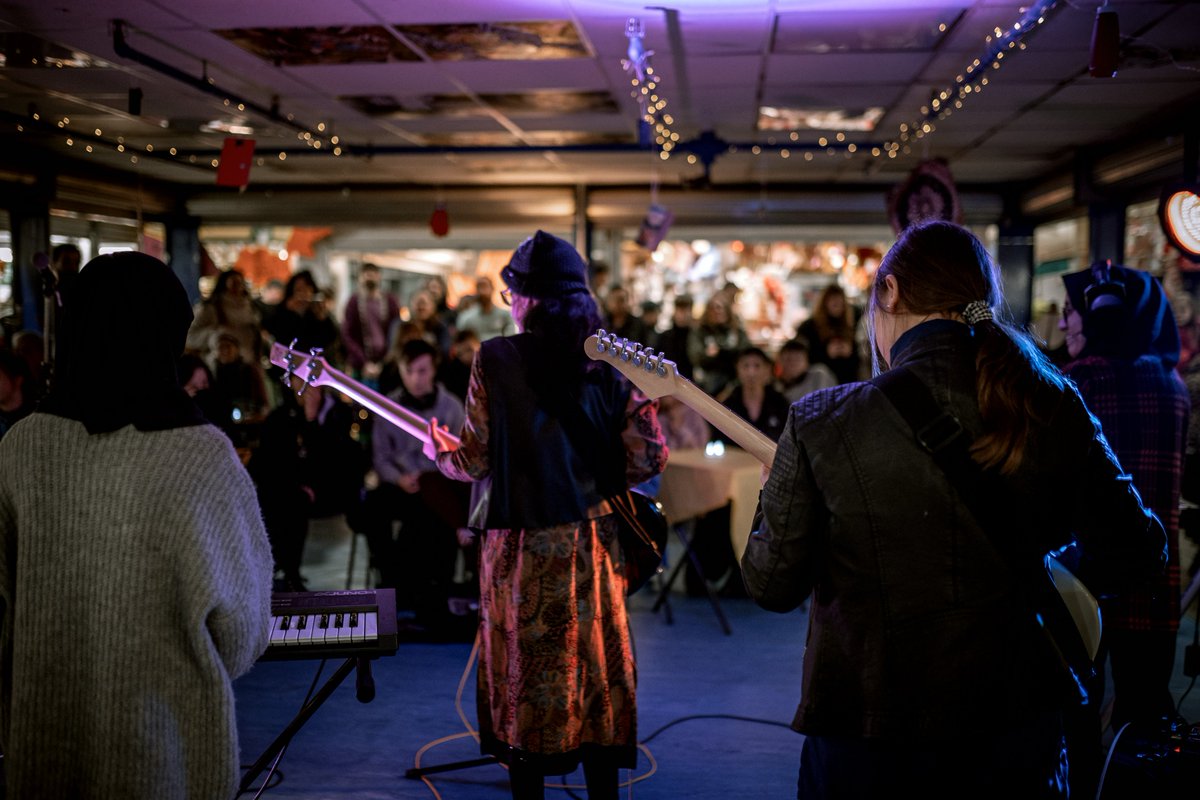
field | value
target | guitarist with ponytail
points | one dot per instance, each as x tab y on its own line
920	536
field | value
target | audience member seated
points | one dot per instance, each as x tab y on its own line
455	374
366	321
714	345
753	398
31	347
619	318
403	332
337	461
683	428
228	308
830	333
418	560
301	445
651	313
797	374
436	286
674	340
14	404
301	316
238	384
484	316
197	382
433	330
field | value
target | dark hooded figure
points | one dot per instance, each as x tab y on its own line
130	530
1124	345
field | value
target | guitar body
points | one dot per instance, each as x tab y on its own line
642	533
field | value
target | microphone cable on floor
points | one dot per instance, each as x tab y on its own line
472	733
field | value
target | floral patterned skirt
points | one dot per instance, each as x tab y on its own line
556	670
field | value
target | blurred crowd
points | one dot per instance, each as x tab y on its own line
318	454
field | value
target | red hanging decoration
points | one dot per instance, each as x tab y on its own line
439	220
234	169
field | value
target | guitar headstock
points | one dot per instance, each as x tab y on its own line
307	368
654	374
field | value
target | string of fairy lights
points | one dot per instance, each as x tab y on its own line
653	105
1001	44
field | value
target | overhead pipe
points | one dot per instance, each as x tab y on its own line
707	147
125	50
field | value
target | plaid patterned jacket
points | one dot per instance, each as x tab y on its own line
1143	408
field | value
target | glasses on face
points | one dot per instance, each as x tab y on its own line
506	296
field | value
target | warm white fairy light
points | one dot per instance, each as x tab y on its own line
973	78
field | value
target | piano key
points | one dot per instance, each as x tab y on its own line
305	633
278	629
337	624
344	634
293	630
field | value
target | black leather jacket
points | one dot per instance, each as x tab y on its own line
915	627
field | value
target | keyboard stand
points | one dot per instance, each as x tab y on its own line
309	708
683	532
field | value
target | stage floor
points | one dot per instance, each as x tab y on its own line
713	709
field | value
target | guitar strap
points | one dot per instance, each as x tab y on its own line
648	543
941	434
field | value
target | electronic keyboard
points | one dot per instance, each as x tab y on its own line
333	624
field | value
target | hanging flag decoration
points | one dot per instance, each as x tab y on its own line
654	226
236	156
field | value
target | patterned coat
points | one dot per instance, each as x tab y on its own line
556	668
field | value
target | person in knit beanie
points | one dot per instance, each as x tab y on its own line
550	435
135	573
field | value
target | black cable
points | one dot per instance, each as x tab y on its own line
1195	643
675	722
1183	697
266	784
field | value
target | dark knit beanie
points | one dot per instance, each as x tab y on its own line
545	266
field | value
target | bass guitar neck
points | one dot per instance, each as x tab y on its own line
311	369
657	377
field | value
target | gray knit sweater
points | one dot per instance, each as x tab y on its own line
135	576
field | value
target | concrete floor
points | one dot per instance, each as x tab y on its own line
713	709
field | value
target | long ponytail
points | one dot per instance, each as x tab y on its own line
942	268
1017	387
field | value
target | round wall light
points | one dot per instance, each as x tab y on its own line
1179	215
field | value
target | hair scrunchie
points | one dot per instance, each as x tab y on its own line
976	312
